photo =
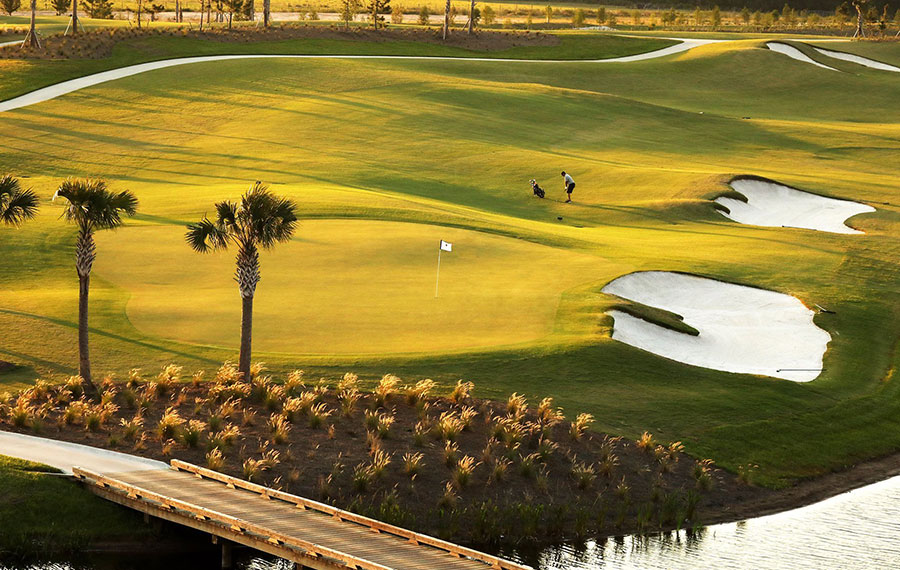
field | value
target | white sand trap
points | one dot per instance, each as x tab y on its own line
858	59
775	205
64	455
65	87
742	329
795	53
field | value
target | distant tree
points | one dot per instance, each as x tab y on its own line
349	10
548	11
17	205
897	17
669	17
488	15
636	17
10	6
475	16
813	20
788	16
60	6
698	17
377	9
397	14
776	15
74	23
232	7
716	17
757	18
424	15
153	10
261	220
267	11
312	15
860	6
578	18
91	207
601	15
612	19
745	15
446	28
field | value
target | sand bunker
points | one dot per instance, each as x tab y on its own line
858	59
742	329
795	53
65	87
775	205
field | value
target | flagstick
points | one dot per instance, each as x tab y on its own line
437	279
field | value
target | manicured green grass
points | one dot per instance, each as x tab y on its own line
41	512
23	76
447	148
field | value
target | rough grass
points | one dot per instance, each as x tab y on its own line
453	144
41	512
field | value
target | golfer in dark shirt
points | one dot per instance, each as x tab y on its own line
570	185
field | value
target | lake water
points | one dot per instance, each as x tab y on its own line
859	529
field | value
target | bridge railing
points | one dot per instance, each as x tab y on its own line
372	524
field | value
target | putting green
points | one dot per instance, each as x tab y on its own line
351	287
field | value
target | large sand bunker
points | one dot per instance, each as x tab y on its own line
795	53
858	59
775	205
742	329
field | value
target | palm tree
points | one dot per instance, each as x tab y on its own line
91	207
16	205
260	220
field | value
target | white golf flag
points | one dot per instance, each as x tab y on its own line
446	245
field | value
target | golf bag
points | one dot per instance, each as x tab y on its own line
538	191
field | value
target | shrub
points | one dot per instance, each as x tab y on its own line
397	14
578	18
488	15
424	14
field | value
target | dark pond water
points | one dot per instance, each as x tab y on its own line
859	529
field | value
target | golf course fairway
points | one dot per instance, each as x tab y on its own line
387	157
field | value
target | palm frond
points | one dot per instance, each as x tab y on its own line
92	206
206	236
227	213
16	205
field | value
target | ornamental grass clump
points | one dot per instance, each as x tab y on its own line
448	426
169	424
516	406
417	392
317	414
646	442
279	429
191	432
461	392
413	463
584	475
380	461
294	383
274	397
215	459
702	473
462	473
451	454
131	428
385	388
499	469
363	477
580	426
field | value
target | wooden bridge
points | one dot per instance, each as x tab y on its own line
308	533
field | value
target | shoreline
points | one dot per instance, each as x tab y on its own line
804	493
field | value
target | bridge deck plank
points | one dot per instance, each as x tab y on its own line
309	525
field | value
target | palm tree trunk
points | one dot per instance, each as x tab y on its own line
446	20
74	17
266	9
85	253
471	17
84	358
246	336
31	40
